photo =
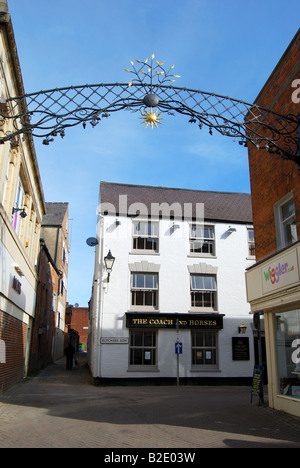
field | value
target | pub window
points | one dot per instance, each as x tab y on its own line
143	348
144	290
204	292
202	239
251	243
145	236
204	348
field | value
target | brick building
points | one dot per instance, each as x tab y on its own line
22	207
24	289
55	232
273	284
77	321
44	324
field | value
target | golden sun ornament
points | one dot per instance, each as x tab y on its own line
151	118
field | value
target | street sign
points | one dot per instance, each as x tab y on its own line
178	348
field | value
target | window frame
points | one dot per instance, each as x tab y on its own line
212	292
144	348
202	239
143	291
204	349
281	222
147	241
251	242
19	204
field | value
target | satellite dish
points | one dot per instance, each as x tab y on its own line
92	241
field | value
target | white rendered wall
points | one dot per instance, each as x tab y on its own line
174	297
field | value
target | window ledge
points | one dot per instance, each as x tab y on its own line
201	255
143	252
143	369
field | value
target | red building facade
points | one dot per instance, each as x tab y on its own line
273	284
77	320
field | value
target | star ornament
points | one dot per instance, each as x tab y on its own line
151	118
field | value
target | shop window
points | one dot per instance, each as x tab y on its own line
202	240
145	236
204	349
143	348
287	325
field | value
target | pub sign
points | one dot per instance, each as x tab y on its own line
185	321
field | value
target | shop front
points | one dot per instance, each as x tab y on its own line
273	289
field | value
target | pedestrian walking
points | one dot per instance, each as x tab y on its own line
69	352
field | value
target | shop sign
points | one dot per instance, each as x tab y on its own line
185	321
114	340
282	272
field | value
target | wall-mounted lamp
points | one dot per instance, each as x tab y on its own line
18	270
231	229
118	223
14	142
22	211
109	261
242	329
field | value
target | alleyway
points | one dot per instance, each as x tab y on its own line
63	409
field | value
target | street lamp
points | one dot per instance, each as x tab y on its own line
109	261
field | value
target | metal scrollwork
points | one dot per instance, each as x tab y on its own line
48	114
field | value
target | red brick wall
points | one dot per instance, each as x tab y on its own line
271	176
13	333
44	323
79	321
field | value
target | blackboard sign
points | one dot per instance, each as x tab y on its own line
240	349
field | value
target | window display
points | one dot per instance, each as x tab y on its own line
288	352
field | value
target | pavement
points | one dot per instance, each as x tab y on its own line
63	409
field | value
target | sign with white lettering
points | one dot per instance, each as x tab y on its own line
114	340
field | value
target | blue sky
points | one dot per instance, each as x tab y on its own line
228	47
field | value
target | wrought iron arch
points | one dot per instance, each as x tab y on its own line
47	114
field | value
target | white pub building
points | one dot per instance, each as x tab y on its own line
169	296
